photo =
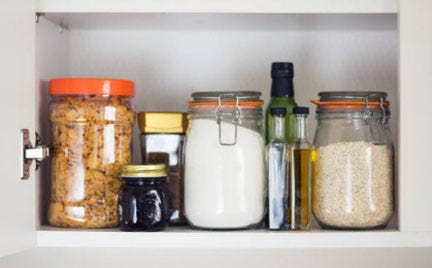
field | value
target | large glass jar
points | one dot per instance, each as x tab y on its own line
224	168
163	141
144	202
352	160
91	133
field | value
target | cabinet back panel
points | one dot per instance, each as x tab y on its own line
170	56
330	52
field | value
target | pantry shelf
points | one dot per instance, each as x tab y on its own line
237	6
187	238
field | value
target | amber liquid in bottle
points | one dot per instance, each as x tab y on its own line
299	202
299	185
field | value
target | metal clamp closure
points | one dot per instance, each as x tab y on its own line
376	124
383	111
236	113
367	112
30	153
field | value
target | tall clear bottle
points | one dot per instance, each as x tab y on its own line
282	95
277	171
299	201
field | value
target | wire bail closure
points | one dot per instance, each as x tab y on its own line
236	113
383	111
368	113
376	127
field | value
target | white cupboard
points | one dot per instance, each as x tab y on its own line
172	48
17	225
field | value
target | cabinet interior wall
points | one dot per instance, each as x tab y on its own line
169	56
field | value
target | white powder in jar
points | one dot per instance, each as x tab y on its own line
224	184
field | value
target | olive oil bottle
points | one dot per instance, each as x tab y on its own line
299	201
282	95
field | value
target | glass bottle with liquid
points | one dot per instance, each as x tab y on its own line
277	171
163	141
299	201
282	95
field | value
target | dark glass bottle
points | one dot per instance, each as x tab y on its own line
282	95
144	203
163	141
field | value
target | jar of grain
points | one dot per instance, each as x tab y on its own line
352	161
225	186
91	133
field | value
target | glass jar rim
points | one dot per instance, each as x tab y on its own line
352	96
226	98
352	102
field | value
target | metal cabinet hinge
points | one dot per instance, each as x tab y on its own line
38	16
29	153
61	27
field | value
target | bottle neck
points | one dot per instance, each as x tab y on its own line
278	128
300	127
282	87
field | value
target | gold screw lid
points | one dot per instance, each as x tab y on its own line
144	171
162	122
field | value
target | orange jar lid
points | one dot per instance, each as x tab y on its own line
351	99
91	86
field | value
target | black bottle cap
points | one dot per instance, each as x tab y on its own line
282	70
301	110
281	111
282	74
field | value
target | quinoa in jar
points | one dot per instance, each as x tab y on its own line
352	161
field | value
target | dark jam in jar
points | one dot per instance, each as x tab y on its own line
144	203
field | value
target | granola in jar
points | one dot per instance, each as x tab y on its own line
91	130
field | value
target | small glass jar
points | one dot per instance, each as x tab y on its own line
162	141
144	198
225	186
91	132
352	161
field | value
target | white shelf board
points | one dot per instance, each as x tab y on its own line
187	238
127	22
224	6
